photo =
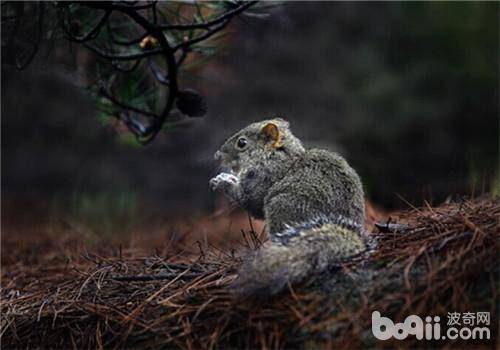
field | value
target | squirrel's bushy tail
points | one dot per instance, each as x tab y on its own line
302	252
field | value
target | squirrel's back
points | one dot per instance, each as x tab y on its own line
318	183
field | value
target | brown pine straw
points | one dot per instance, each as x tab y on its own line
433	261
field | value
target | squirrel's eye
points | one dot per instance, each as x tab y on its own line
242	142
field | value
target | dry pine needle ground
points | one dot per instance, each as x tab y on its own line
433	261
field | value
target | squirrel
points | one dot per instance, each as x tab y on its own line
311	199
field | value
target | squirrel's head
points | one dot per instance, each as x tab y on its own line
268	139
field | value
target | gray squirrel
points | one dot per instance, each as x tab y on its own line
312	202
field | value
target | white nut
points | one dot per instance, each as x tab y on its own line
222	179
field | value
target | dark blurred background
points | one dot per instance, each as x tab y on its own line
407	92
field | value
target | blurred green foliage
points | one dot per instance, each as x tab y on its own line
407	91
104	213
432	90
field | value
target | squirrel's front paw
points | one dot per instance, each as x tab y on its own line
223	181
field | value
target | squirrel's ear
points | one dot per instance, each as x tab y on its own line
271	132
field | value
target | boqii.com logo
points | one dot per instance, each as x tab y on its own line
467	325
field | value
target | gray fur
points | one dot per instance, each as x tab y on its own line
312	201
290	260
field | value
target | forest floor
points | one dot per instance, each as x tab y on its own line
169	286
